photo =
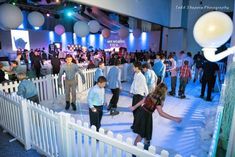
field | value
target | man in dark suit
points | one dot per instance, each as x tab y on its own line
210	69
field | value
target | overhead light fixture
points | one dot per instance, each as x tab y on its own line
69	13
48	15
212	30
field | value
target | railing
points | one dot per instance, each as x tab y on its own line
57	134
12	114
215	138
47	86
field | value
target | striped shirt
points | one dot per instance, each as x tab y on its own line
185	72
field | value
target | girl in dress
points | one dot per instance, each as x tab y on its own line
143	123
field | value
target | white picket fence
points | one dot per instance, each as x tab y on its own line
57	134
47	86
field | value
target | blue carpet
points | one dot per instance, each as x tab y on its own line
15	148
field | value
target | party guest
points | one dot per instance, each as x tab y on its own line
210	69
139	87
55	62
185	76
143	124
173	70
99	71
150	76
70	69
96	100
2	74
160	69
114	83
27	89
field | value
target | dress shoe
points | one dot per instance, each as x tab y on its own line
67	105
74	106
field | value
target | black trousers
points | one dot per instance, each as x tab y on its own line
34	99
114	100
173	83
95	117
136	98
183	83
159	79
37	71
210	83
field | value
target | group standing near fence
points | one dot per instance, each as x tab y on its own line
48	89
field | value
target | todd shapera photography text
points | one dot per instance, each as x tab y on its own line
190	7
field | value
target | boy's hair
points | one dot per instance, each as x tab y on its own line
145	66
137	65
117	62
102	79
68	56
170	56
1	65
100	63
14	62
21	75
185	62
162	57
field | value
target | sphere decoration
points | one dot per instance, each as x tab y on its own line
123	32
105	33
59	29
94	26
213	29
36	19
137	33
81	29
11	16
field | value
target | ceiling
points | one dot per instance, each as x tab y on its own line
107	19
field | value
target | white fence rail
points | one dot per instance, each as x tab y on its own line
215	138
47	86
57	134
11	117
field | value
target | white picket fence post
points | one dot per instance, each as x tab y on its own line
63	133
26	125
50	90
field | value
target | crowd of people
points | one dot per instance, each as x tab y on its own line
148	89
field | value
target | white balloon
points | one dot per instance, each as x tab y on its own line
137	33
3	28
36	19
213	29
94	26
81	29
11	16
123	32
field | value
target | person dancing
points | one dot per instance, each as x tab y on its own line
143	124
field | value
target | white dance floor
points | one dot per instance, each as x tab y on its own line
180	138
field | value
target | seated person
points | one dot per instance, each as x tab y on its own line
12	71
27	89
2	74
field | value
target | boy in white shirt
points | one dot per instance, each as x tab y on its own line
139	87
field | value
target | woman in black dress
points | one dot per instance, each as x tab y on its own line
143	124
